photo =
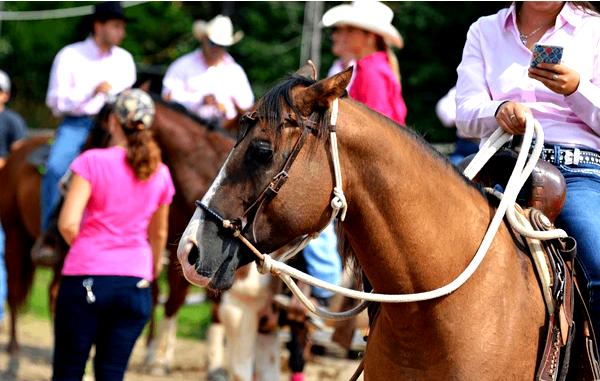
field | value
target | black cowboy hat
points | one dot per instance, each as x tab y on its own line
108	10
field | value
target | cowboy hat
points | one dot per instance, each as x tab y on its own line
370	15
219	30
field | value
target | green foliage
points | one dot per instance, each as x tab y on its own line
434	34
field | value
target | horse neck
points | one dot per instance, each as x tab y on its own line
193	153
412	220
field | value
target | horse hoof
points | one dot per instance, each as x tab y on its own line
219	374
12	349
158	370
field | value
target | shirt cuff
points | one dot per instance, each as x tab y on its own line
580	98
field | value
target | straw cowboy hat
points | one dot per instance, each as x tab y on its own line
370	15
219	30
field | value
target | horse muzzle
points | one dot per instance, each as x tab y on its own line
188	255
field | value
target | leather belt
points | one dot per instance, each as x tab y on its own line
571	156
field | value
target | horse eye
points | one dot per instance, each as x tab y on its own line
260	152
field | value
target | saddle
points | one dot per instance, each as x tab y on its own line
545	190
569	331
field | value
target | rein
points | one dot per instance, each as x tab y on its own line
523	168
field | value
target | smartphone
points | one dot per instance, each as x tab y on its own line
546	54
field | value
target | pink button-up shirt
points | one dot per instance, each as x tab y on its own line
494	69
189	79
375	85
76	72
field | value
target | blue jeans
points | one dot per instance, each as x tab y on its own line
113	323
3	286
68	141
464	148
580	218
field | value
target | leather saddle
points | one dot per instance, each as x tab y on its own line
544	190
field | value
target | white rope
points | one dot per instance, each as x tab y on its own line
49	14
518	177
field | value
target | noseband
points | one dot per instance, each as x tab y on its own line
239	225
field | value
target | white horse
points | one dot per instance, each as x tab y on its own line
234	344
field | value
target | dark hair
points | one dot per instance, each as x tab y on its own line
143	154
585	6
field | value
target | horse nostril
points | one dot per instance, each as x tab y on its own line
193	255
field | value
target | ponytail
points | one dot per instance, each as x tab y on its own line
382	46
393	60
143	154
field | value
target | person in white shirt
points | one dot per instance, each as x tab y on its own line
83	76
446	112
208	81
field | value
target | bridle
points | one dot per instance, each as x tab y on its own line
239	225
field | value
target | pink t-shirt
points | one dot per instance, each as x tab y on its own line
376	86
113	238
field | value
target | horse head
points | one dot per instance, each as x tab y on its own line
280	161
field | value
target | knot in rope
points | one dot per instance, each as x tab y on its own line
266	264
338	202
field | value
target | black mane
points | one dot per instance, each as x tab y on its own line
270	106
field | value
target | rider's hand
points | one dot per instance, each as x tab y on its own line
511	117
103	87
557	77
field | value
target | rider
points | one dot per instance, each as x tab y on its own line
208	81
366	29
83	75
497	87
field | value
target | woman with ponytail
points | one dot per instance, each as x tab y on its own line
364	29
115	220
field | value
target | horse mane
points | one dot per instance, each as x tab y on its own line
270	106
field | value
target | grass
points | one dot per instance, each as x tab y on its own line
192	320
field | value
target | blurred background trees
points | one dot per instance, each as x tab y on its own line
434	35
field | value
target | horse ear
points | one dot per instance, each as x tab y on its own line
308	71
322	93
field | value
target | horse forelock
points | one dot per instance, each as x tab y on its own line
271	107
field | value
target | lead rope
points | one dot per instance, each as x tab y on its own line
522	170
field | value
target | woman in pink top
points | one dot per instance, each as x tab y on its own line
365	29
115	219
497	86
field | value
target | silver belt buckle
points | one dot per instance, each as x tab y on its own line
576	156
568	158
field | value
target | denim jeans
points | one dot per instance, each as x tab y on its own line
113	323
580	218
68	141
3	285
464	148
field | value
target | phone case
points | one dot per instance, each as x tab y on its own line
546	54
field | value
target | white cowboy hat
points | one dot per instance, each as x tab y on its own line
370	15
219	30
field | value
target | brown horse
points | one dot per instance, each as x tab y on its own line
192	152
413	222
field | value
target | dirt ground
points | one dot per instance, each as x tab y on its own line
33	363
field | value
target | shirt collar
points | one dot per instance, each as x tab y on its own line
95	50
227	58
